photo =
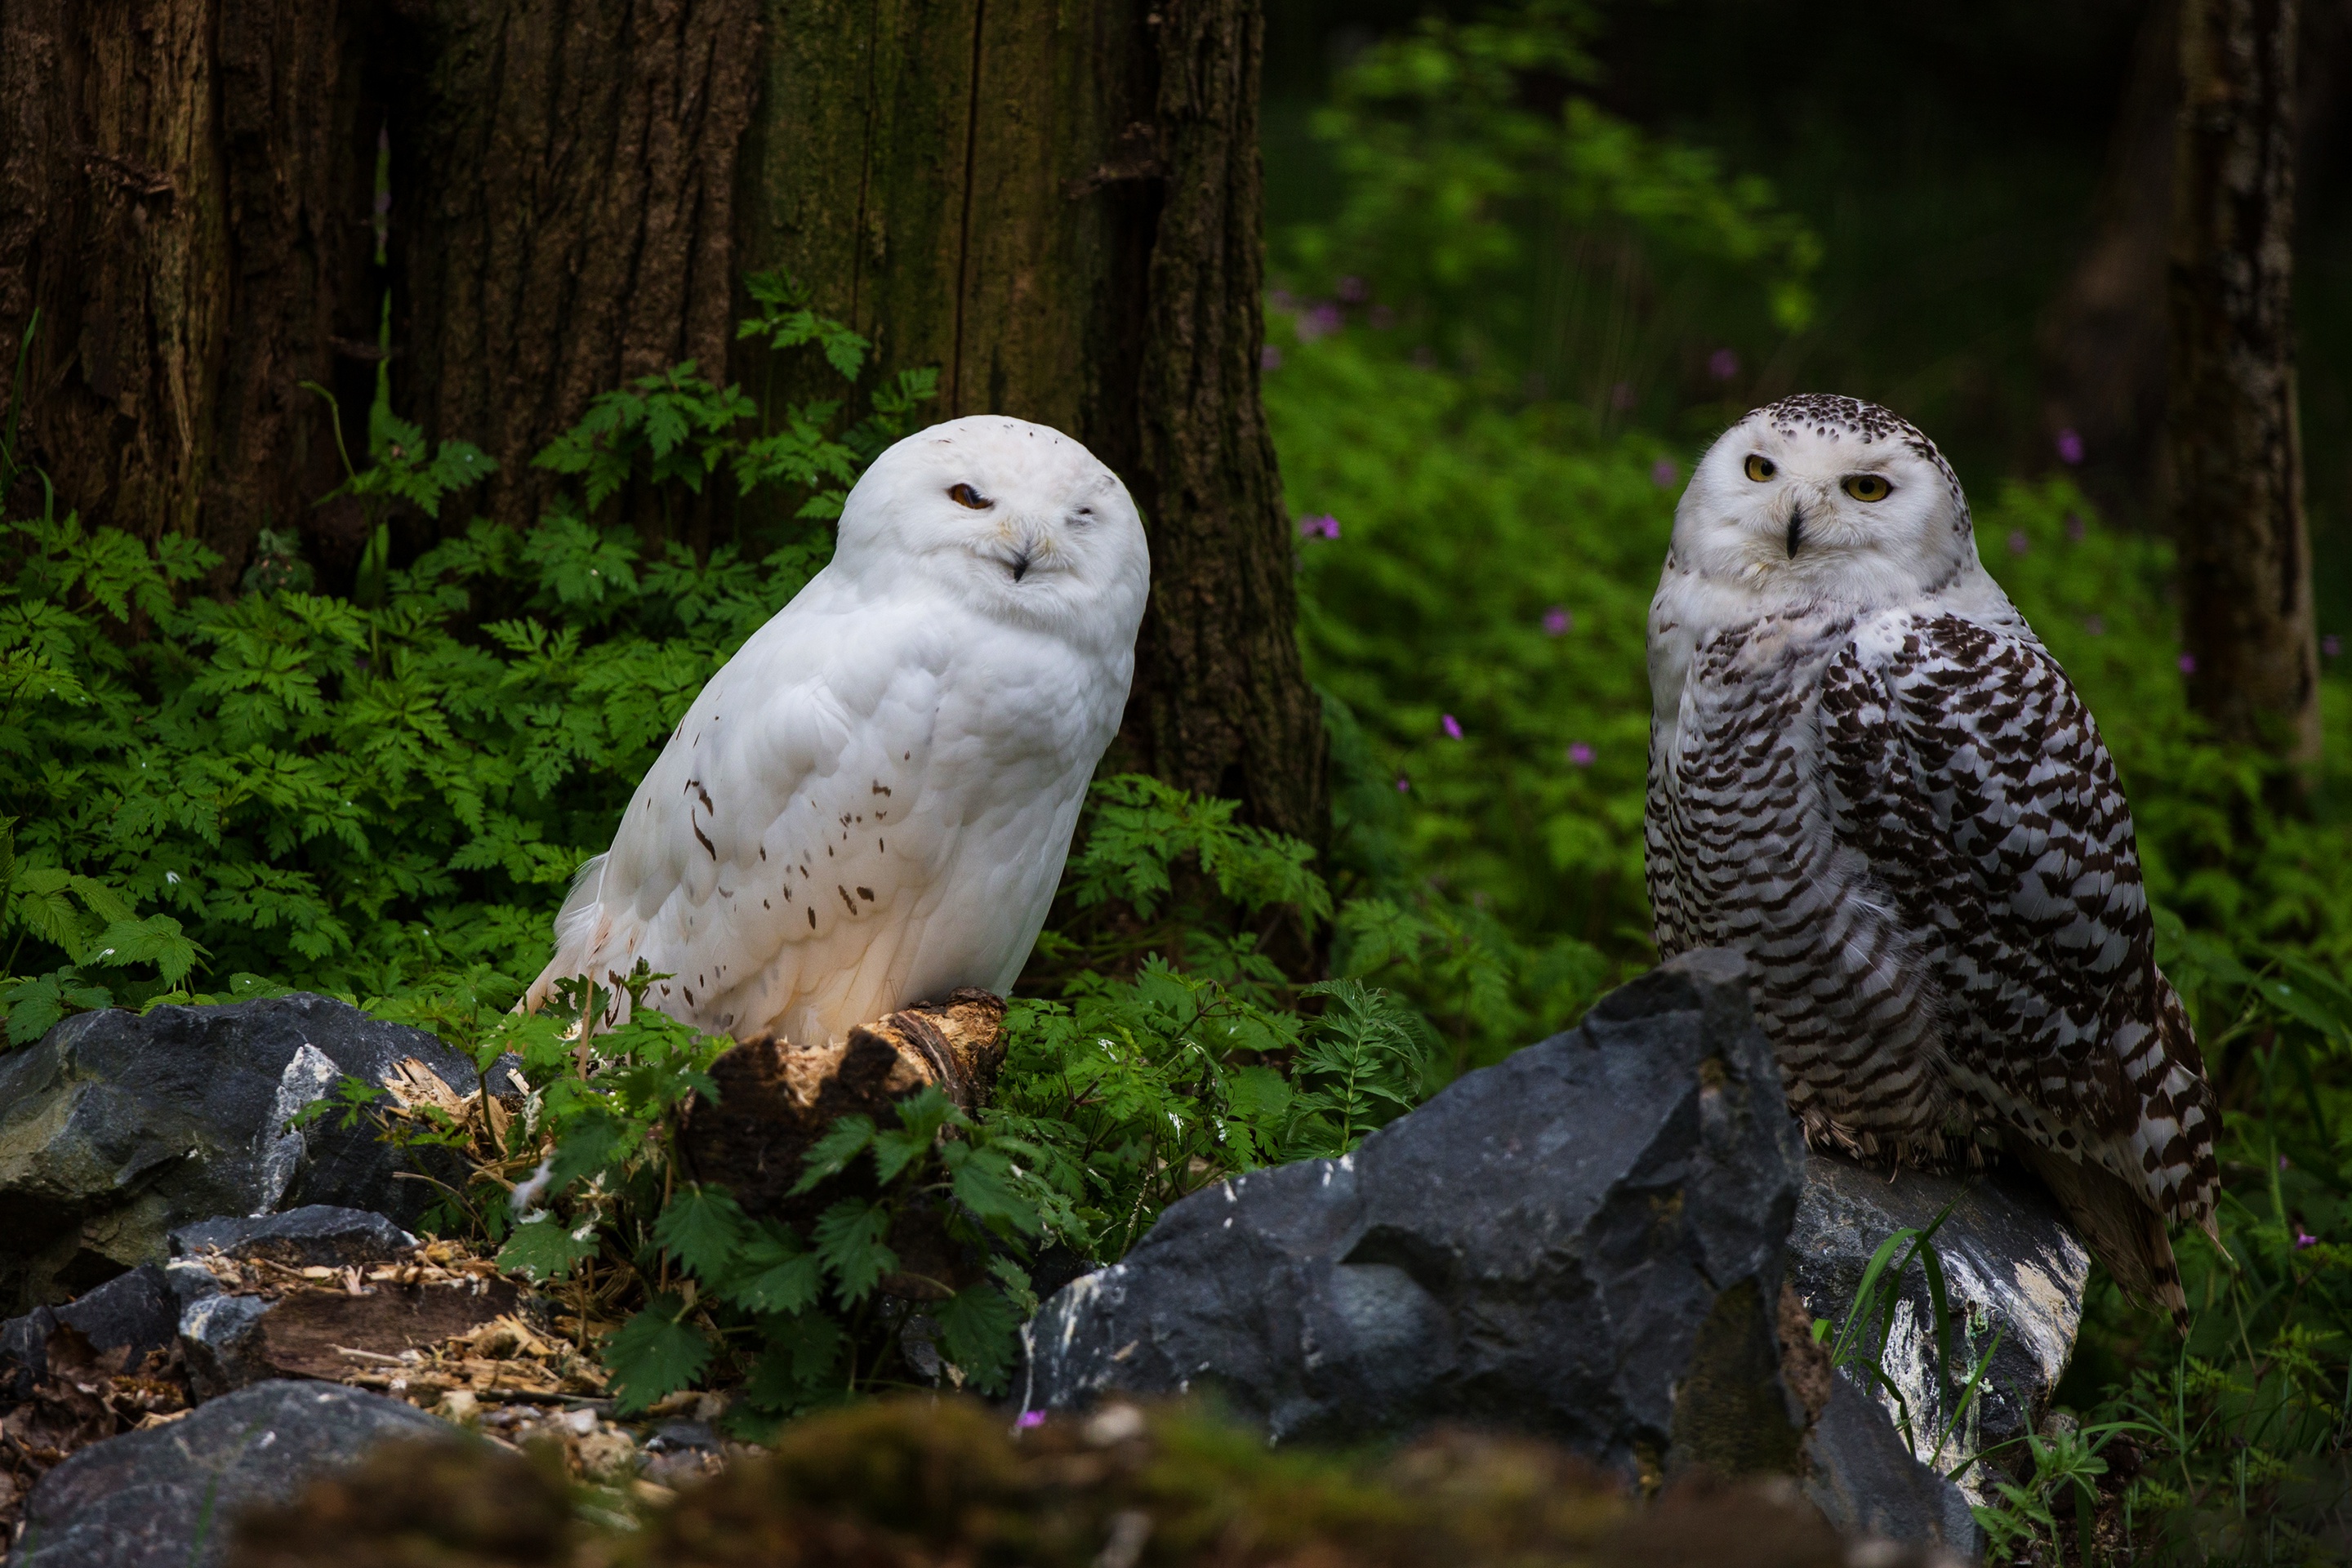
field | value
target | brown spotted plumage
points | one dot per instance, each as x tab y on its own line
1868	774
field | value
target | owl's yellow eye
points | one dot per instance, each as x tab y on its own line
1867	486
964	495
1760	467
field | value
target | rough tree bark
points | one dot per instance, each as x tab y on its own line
185	193
1059	206
2236	478
567	173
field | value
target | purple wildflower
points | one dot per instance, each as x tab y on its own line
1353	291
1030	1419
1723	365
2331	645
1269	358
2018	544
1320	321
1403	783
1324	526
1580	754
2070	448
2304	1238
2095	625
1450	725
2281	1161
2188	664
1557	621
1664	473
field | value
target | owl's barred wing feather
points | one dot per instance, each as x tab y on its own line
1962	763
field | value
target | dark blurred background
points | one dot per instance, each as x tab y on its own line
1990	182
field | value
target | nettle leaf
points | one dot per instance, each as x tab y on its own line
654	1355
803	1350
985	1184
978	1330
774	1274
843	1142
703	1229
921	1117
849	1242
544	1247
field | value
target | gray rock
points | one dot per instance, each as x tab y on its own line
117	1128
1584	1241
165	1498
1863	1477
220	1336
317	1236
189	1281
136	1311
2012	1268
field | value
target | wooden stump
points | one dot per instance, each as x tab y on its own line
775	1100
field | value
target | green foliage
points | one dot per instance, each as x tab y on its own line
1516	227
672	425
377	797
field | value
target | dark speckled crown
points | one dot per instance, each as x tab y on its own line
1831	414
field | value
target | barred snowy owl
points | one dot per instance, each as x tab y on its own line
870	806
1867	774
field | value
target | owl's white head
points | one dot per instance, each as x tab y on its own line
1818	498
1014	520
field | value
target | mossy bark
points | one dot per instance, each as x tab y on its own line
1058	207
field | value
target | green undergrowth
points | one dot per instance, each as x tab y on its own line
383	797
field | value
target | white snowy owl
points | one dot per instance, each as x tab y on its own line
1867	772
870	806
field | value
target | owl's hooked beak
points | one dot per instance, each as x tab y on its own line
1796	529
1020	565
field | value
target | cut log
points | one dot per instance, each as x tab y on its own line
776	1100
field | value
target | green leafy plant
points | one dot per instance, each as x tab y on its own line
1504	220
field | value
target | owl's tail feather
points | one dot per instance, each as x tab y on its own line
2116	1224
575	936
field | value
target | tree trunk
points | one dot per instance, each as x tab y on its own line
568	174
1059	208
183	195
1056	205
2237	482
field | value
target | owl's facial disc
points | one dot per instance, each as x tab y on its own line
1012	519
1823	499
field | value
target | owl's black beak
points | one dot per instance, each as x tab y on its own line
1021	565
1796	529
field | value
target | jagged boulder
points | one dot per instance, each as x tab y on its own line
163	1498
137	1312
2013	1272
117	1128
1584	1241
